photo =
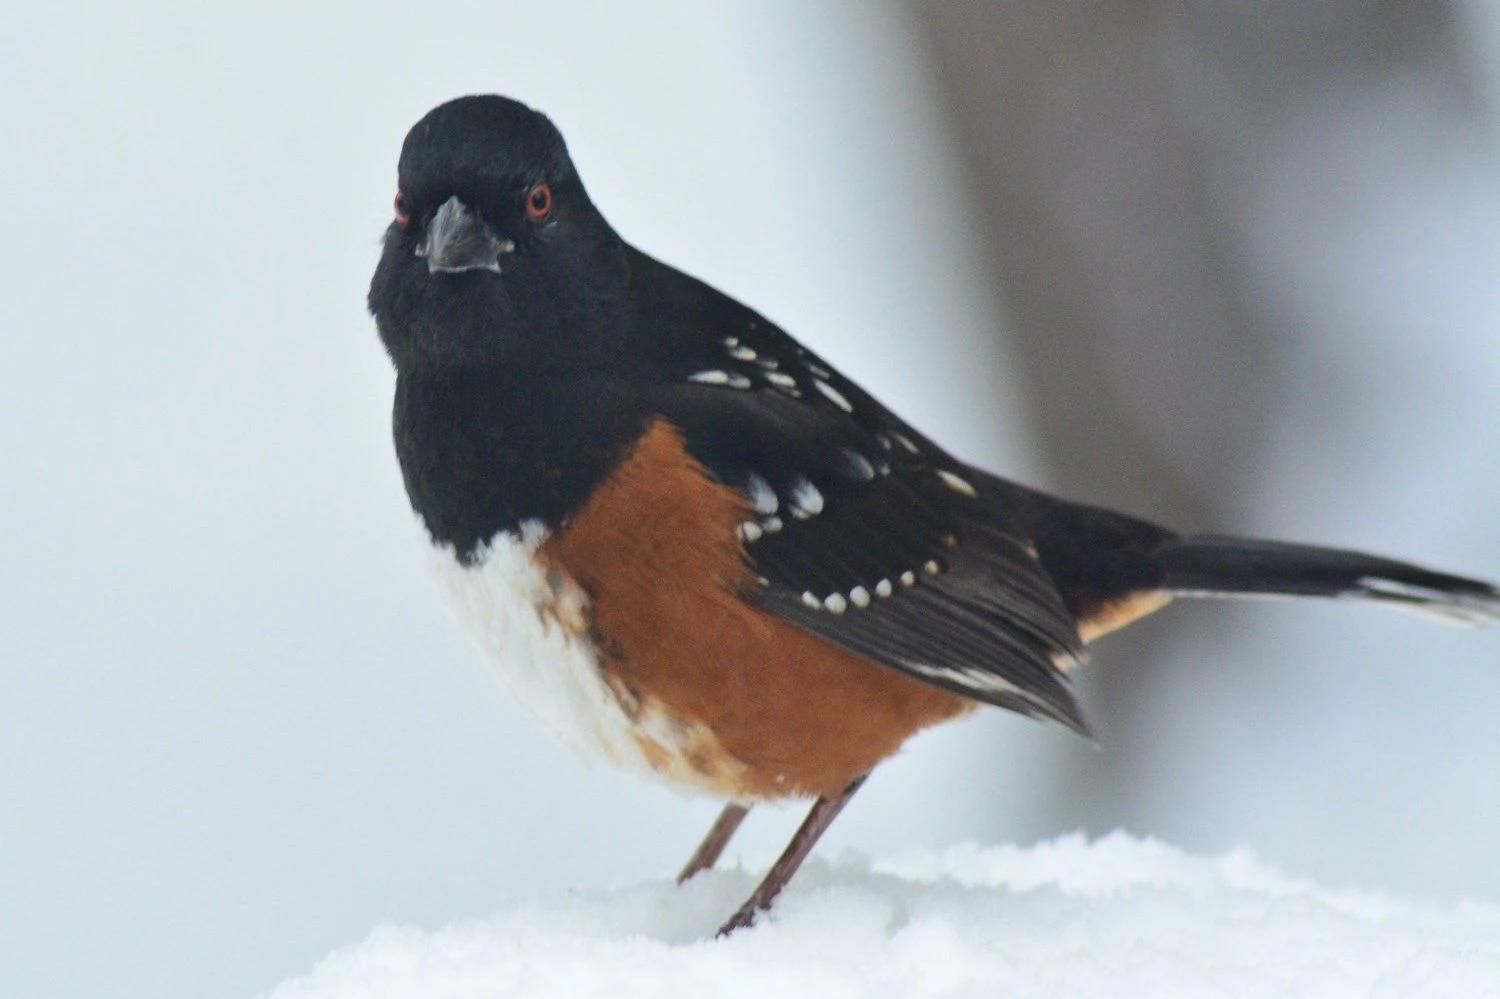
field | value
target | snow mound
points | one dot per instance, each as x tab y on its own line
1115	917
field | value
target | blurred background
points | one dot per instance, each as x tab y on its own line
1234	267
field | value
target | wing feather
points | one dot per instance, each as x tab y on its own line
949	595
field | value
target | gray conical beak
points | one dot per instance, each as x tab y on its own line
459	240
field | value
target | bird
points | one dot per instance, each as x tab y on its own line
695	549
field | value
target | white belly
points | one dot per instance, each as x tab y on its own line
533	624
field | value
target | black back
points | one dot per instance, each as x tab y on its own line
518	392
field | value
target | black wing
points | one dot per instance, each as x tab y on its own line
865	532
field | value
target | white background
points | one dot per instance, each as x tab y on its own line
236	729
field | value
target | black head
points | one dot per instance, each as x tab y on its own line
496	254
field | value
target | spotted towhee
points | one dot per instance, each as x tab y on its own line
697	549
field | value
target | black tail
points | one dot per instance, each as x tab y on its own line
1208	565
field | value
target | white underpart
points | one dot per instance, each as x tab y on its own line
533	625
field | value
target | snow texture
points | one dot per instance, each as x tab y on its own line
1115	917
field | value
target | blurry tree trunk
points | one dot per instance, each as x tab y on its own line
1103	140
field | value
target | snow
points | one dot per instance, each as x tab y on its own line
1119	916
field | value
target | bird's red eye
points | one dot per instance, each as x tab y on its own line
403	214
538	202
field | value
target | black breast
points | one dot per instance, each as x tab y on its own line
485	449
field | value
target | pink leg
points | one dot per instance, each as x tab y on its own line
824	811
713	844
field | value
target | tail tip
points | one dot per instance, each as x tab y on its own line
1466	603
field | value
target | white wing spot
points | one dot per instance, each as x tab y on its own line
818	369
884	588
780	379
731	342
806	501
835	603
749	531
957	484
908	578
811	600
859	465
731	379
931	568
859	597
762	496
771	524
833	395
742	353
968	676
905	442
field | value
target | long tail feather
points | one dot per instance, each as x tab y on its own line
1209	565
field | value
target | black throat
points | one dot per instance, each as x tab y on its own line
486	448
